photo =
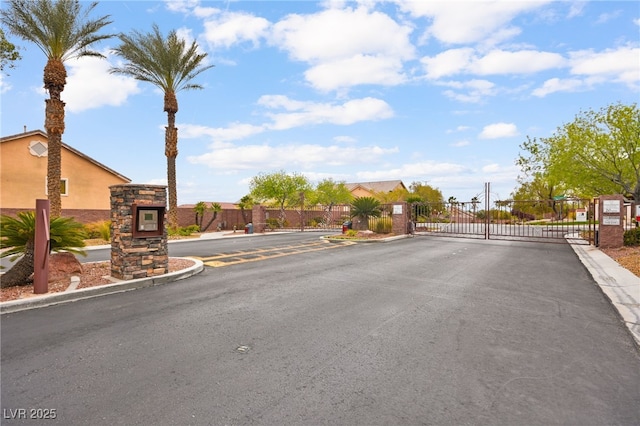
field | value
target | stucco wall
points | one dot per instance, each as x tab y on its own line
23	178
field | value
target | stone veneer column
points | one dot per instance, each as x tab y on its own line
611	220
133	257
400	219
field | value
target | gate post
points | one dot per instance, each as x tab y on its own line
400	219
259	218
139	246
610	215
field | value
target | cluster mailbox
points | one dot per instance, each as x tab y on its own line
148	220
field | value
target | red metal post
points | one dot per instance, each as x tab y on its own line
41	248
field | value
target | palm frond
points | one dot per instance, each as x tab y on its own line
61	30
165	62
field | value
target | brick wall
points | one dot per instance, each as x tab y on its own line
82	216
611	228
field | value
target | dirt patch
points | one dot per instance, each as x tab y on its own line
627	257
93	274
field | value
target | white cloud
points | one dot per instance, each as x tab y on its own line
447	63
459	129
297	114
519	62
495	62
620	65
472	91
346	47
498	130
89	85
358	69
4	86
235	131
228	29
345	139
471	21
308	113
554	85
258	157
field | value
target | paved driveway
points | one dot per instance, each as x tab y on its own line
416	331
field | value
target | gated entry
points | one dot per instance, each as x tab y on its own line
551	220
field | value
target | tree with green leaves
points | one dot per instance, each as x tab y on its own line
426	193
363	208
329	193
598	153
201	208
8	53
18	238
387	197
246	203
279	189
169	64
62	30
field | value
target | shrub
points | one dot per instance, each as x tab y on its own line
101	229
632	237
381	225
184	232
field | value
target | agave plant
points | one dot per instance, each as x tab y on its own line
363	208
18	236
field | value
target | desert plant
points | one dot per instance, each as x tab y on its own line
364	208
183	231
101	229
632	237
200	209
382	225
18	237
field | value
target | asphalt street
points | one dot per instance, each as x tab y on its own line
415	331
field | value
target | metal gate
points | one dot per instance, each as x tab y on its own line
552	220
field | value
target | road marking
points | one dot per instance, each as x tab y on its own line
253	255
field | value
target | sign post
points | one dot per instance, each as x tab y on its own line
41	248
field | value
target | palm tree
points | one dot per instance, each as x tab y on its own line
363	208
18	237
170	65
62	30
201	208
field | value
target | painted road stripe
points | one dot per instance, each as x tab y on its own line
244	256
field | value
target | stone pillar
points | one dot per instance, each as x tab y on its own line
611	219
259	218
401	218
138	249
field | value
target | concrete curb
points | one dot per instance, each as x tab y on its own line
619	285
86	293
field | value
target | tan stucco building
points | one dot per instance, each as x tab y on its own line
369	189
23	175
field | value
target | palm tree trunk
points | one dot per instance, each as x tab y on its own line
55	78
20	272
171	152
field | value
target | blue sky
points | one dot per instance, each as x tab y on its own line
441	92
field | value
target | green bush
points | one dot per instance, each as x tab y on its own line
100	229
184	232
381	225
632	237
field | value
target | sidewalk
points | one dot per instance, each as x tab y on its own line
619	285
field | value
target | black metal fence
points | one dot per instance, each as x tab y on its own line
551	220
